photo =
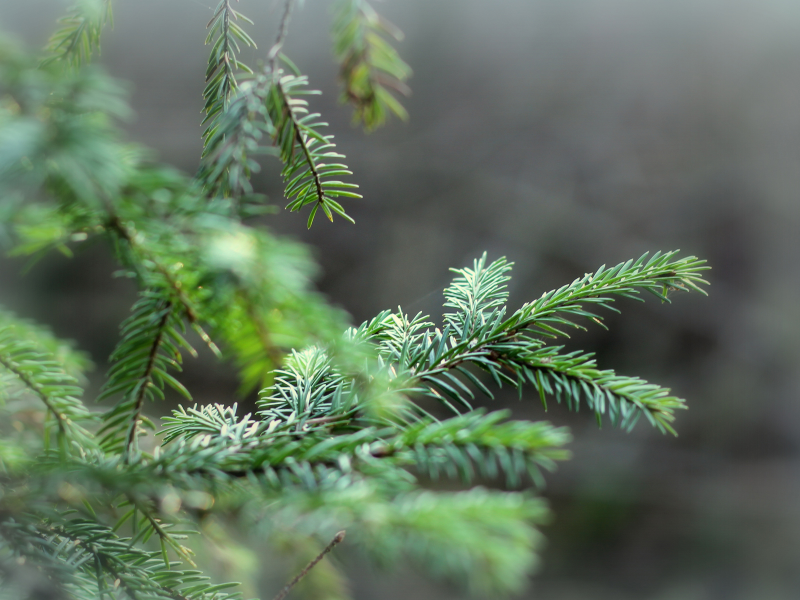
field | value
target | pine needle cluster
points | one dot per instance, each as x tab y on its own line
353	426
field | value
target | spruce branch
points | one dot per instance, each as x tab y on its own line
658	275
79	35
223	65
26	354
480	334
489	444
271	103
227	163
574	376
153	273
150	344
475	291
166	537
371	70
78	546
305	151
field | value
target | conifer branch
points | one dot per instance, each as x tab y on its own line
337	438
79	36
221	81
479	334
78	545
659	275
370	69
150	344
303	150
145	380
40	371
226	164
165	537
157	268
268	104
267	348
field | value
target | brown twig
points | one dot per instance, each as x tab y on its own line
336	539
283	29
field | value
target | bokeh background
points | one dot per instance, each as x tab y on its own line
563	135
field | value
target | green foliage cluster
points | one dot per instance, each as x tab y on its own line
353	426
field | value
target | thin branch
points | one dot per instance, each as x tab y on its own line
163	535
288	588
301	141
61	418
146	376
105	560
274	52
262	331
283	30
115	224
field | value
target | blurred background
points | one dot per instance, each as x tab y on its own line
563	135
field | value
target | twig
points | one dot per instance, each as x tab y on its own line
336	539
147	376
283	29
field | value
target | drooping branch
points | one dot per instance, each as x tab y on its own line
371	70
221	83
79	35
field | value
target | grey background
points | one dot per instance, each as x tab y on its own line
563	135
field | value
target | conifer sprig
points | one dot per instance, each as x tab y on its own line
270	104
79	35
97	563
273	103
458	447
480	335
152	339
32	364
659	275
371	70
223	65
435	362
227	163
311	165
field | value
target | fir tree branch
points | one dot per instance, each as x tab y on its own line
150	344
78	545
145	380
226	164
222	63
79	36
174	287
165	537
293	133
268	104
303	150
574	376
370	69
458	446
269	356
480	334
39	370
659	275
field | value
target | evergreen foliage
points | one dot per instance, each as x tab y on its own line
353	426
